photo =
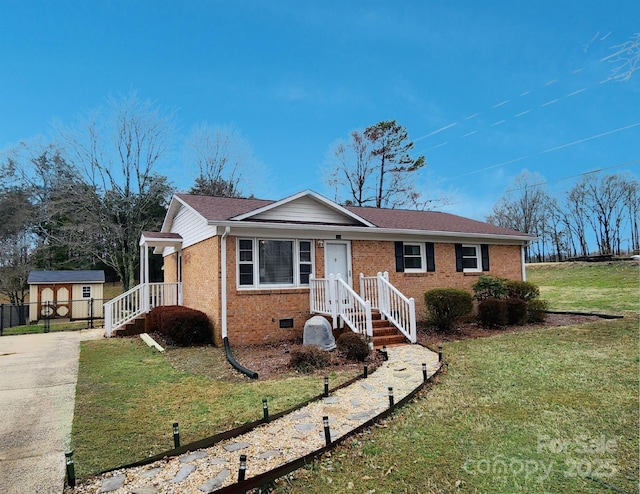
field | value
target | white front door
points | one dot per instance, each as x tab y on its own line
337	259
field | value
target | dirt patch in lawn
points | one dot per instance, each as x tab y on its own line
272	361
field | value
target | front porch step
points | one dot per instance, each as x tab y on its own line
384	333
133	328
380	341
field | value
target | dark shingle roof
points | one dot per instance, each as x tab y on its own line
434	221
66	276
223	208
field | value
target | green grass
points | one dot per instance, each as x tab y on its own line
39	328
607	287
128	397
498	417
510	398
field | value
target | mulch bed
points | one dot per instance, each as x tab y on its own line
272	360
432	338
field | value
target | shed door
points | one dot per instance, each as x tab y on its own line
54	301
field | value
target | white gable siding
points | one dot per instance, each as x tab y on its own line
305	210
191	227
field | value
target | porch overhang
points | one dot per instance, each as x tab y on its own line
161	240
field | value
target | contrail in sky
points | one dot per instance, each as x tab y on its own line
591	138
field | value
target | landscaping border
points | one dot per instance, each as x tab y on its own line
212	440
271	475
595	314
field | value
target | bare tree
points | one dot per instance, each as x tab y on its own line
222	156
353	168
632	204
373	168
626	56
117	148
523	207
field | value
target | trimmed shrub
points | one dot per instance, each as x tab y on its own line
537	310
492	313
446	305
180	326
522	290
352	346
308	358
516	311
489	287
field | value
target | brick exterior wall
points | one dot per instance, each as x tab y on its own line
371	257
200	275
253	316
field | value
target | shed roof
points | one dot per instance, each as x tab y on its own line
66	276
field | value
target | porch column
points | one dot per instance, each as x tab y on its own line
142	262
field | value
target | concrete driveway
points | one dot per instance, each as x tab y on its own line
38	375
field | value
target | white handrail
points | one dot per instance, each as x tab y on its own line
334	297
137	301
397	308
369	290
353	309
321	295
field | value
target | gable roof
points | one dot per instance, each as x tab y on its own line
221	208
233	210
432	221
66	276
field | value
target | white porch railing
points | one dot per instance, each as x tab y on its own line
334	297
391	303
137	301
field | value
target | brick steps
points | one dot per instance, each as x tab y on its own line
385	333
135	327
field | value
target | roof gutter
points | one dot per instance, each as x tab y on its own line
331	230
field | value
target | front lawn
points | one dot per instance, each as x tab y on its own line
584	286
552	410
128	397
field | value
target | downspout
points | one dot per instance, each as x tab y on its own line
522	258
223	310
223	281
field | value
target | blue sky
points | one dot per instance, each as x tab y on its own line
485	89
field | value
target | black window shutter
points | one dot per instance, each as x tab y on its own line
431	258
459	258
399	257
485	257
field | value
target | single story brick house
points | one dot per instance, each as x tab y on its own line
260	268
65	294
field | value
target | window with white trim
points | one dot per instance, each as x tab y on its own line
272	263
413	257
471	261
86	292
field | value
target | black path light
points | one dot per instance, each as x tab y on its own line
390	396
327	431
326	386
265	410
424	372
385	355
176	435
243	468
365	372
71	469
440	353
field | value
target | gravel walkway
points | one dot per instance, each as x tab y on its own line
281	441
